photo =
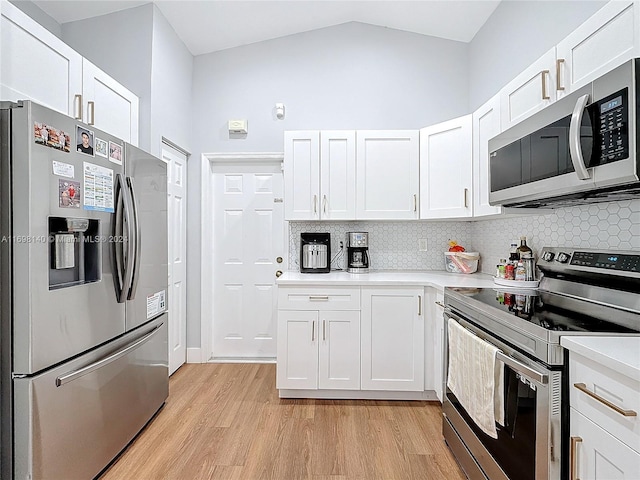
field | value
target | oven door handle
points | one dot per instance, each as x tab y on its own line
517	366
541	378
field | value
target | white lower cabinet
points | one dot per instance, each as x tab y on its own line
434	340
357	342
604	425
392	339
598	455
318	348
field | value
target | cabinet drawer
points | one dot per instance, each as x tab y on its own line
611	386
330	298
597	455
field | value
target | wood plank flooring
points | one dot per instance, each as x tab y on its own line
225	421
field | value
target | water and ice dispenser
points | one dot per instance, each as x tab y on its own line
75	251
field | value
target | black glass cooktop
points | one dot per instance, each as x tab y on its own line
552	311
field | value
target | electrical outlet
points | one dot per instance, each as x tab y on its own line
422	244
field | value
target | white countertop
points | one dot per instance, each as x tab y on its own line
438	279
621	354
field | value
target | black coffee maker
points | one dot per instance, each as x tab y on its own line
315	252
357	252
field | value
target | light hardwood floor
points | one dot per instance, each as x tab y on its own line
225	421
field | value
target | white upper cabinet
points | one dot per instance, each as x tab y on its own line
610	37
36	65
302	175
529	92
387	184
108	105
320	173
486	125
606	40
446	169
337	174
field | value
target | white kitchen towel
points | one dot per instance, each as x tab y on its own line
475	377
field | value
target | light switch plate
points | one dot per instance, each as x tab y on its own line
422	244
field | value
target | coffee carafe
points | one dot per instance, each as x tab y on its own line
357	252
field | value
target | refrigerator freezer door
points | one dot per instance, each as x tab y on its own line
53	181
147	179
73	420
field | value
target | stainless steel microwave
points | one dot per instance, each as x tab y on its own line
581	149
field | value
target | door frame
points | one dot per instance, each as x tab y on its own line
206	237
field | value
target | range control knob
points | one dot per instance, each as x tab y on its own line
548	256
562	257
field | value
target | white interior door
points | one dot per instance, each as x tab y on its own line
177	226
248	243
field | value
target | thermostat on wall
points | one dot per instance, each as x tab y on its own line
237	126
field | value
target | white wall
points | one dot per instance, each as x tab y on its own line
514	36
171	77
39	15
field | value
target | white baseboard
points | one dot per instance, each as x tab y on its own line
194	355
242	360
428	395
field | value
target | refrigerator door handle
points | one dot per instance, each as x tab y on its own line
124	265
71	376
137	242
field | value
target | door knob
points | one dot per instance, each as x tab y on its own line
278	273
279	259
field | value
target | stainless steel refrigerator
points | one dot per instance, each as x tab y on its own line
83	294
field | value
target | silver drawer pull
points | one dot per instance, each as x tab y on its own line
627	413
440	304
318	298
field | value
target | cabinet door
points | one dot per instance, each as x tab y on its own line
297	349
339	351
387	165
338	175
302	175
530	91
597	455
108	105
486	125
36	65
606	40
446	169
392	339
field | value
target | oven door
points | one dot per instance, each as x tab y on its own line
528	446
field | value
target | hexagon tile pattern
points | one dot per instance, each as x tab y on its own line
394	245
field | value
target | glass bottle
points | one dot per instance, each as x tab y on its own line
520	273
513	252
523	250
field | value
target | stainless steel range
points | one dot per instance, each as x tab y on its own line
582	292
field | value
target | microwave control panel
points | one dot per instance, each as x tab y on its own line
613	127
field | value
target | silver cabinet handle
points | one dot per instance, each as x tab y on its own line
543	75
77	106
91	112
575	148
415	203
71	376
625	413
313	331
318	298
419	305
324	330
559	63
315	204
466	204
573	454
324	204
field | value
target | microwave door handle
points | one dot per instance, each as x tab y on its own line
574	138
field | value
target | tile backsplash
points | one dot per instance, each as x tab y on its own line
395	245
